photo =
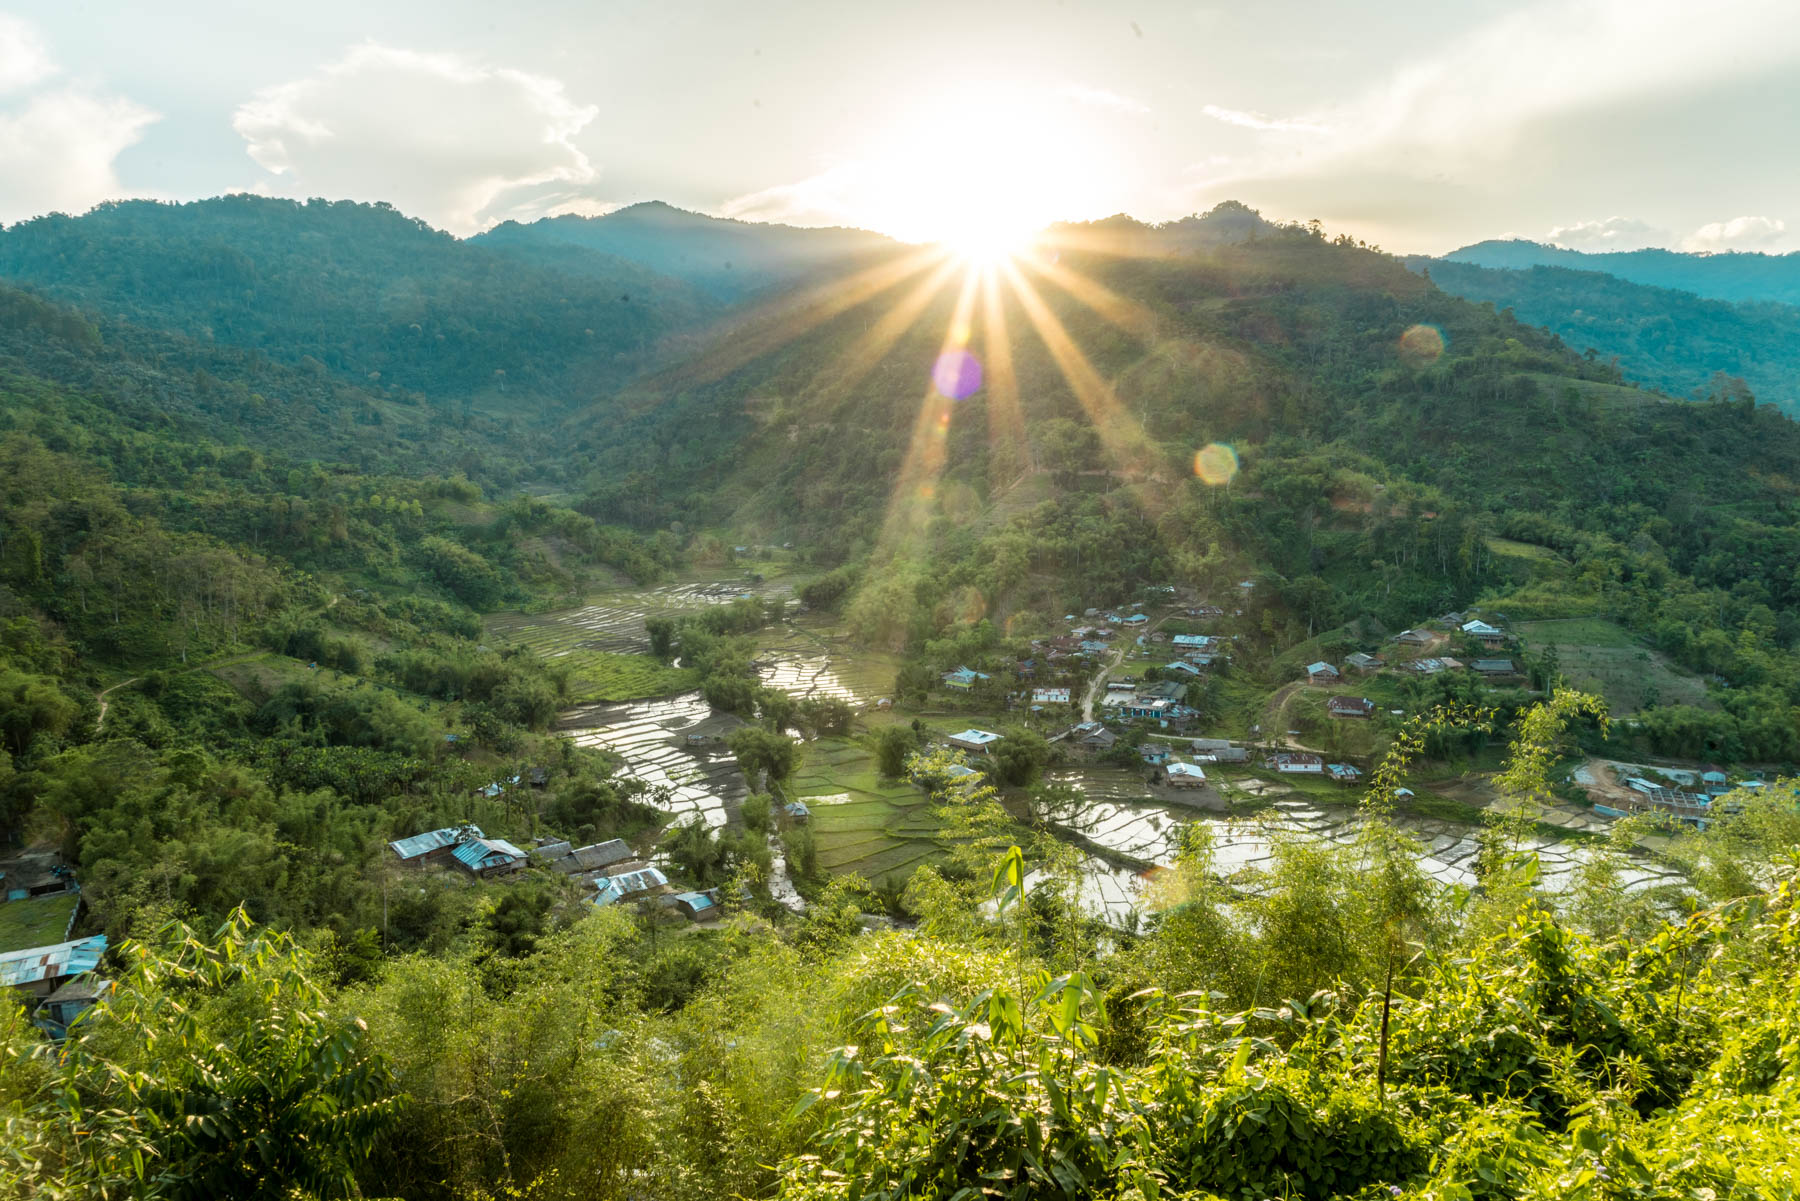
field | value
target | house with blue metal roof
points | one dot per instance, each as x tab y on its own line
39	971
486	857
698	906
433	846
627	886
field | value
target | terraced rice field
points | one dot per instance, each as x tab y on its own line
862	824
651	737
615	621
1146	831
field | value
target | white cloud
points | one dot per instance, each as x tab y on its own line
24	59
1244	119
832	197
1739	233
57	144
1103	98
1460	117
457	143
1614	233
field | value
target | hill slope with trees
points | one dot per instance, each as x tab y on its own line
1669	340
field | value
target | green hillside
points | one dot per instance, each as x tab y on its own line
1672	341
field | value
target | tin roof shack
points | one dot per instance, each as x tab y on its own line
1364	662
973	740
1322	672
37	972
488	857
1092	736
34	874
77	995
1350	706
1219	750
1297	763
434	847
1496	668
1186	775
698	906
628	885
597	857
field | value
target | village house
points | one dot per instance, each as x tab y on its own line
594	858
1049	696
35	874
488	857
1297	763
1219	750
963	678
1431	667
629	885
1154	754
698	906
1091	735
1185	775
1164	690
1489	636
1350	706
1496	667
1363	662
1194	642
1322	673
1343	773
1183	666
55	981
432	848
973	740
1415	638
1137	619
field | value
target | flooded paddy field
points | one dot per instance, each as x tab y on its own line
1120	816
882	830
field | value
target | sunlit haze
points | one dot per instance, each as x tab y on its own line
1420	127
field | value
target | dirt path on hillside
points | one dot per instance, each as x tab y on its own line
1274	722
101	696
1098	683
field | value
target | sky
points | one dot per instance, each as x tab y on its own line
1416	125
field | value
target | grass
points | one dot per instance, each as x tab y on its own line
603	676
1600	656
36	921
861	823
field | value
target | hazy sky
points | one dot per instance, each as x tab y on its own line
1417	124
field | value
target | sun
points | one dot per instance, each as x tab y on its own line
979	171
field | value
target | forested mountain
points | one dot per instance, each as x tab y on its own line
357	290
726	259
1735	276
1669	340
1387	432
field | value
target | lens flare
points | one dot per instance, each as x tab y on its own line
1216	463
956	375
1422	344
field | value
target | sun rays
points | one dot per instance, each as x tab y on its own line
996	298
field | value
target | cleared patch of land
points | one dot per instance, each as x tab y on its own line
1600	656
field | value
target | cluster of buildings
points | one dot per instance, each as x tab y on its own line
611	869
1692	801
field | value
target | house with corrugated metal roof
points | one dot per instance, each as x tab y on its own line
698	906
37	972
487	857
595	857
433	846
629	885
